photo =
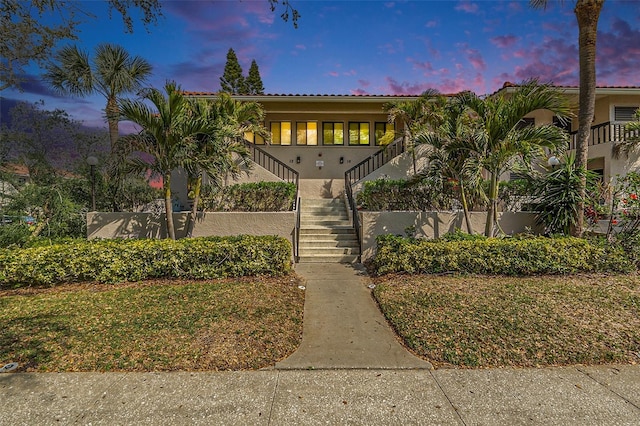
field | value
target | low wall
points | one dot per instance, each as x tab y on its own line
148	225
434	225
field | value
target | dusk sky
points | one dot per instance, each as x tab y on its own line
362	47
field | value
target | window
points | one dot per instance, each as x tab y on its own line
253	138
526	122
358	133
332	133
385	133
281	132
624	113
307	133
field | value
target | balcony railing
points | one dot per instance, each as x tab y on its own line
601	133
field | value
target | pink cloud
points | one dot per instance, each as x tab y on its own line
618	54
359	92
468	7
334	73
431	24
350	73
301	47
504	41
364	83
405	88
475	58
423	66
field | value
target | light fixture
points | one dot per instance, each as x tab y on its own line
341	160
298	159
553	161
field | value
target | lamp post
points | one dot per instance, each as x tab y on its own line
93	162
553	161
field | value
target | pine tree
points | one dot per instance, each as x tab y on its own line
254	82
232	80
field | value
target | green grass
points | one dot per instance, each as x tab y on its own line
152	326
504	321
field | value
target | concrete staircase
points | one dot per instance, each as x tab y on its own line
326	233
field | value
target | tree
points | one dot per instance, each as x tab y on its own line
254	81
414	115
220	149
32	29
168	137
505	139
232	80
456	148
112	72
587	14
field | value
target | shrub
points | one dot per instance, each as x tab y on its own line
494	256
251	197
113	261
406	195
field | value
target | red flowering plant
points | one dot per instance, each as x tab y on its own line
625	206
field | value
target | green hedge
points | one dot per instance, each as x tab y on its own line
494	256
112	261
252	197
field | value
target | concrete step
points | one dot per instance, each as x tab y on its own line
312	218
324	224
327	251
338	230
307	242
345	258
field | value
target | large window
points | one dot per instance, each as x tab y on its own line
332	133
281	132
358	133
385	133
307	133
253	138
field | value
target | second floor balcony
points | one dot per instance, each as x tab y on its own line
604	133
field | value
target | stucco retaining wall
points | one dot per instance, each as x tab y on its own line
434	225
148	225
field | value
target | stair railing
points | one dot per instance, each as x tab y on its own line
364	168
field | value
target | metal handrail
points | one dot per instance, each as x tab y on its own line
601	133
375	161
362	169
275	166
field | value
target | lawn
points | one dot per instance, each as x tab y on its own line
165	325
480	321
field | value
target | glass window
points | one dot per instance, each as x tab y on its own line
358	133
307	133
253	138
385	133
624	113
281	132
332	133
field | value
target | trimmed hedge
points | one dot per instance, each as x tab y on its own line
253	197
113	261
494	256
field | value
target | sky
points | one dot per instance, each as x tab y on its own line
360	47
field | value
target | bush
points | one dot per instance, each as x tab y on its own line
494	256
251	197
405	195
112	261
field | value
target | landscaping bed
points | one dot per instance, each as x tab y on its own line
497	321
156	325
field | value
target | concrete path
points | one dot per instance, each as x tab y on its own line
550	396
343	327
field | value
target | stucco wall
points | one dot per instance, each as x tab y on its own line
434	225
147	225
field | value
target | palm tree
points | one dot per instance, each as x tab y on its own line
587	14
220	147
169	136
505	140
112	72
414	115
456	152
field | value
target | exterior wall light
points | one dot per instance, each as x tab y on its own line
553	161
341	160
298	159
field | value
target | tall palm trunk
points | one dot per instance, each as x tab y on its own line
168	205
493	204
587	13
465	206
197	187
112	118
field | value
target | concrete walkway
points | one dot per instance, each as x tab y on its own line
350	369
343	327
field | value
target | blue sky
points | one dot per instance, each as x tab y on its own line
362	47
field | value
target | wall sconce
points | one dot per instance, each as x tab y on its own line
341	160
298	159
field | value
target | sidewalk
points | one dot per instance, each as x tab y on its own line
349	369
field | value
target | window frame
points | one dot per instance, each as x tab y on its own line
375	131
306	133
333	131
278	141
360	125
